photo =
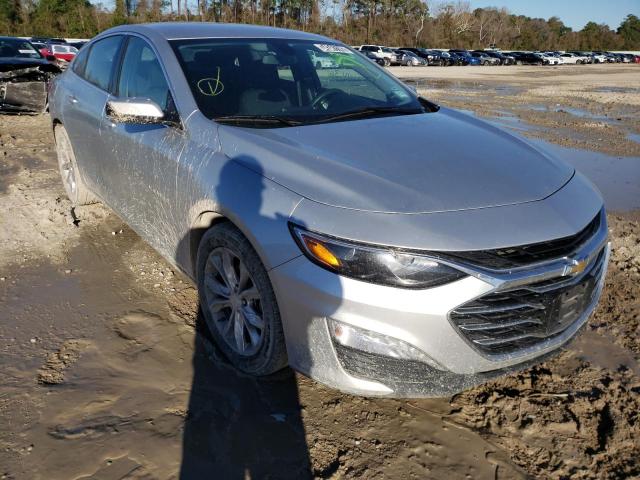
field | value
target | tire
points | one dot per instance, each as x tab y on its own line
254	301
519	62
74	187
387	62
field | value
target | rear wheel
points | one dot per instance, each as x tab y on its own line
238	303
74	187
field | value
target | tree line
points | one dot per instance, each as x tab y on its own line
386	22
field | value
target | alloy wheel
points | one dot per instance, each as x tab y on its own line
233	301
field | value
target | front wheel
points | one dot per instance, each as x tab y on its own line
238	302
74	187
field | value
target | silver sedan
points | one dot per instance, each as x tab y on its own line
371	265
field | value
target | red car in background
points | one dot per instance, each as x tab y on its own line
59	50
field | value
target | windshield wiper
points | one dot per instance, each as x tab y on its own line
257	120
371	112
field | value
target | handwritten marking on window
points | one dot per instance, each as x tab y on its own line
211	87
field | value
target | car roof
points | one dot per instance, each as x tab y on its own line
194	30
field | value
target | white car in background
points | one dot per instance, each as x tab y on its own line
384	53
322	60
572	58
552	59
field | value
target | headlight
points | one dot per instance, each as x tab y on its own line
381	265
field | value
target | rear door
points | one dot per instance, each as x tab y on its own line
85	92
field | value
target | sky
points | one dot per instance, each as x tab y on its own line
574	13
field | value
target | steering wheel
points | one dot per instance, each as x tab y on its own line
325	96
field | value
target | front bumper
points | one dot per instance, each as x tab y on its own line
308	296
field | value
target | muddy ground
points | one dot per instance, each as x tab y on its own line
107	374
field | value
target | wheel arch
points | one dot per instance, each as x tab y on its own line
202	223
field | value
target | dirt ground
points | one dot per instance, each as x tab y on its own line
106	372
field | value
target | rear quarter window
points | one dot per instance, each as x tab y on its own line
80	61
101	62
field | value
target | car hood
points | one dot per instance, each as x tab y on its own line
432	162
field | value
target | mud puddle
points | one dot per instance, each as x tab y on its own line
617	178
454	86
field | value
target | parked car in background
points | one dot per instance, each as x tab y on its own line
317	234
598	57
24	76
468	58
430	56
572	58
527	58
626	58
375	58
502	58
551	59
449	58
588	56
60	51
409	59
392	55
322	60
485	59
384	53
460	60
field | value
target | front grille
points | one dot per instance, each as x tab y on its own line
506	321
513	257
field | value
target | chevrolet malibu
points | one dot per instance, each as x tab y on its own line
370	265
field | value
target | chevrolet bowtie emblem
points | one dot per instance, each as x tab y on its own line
575	267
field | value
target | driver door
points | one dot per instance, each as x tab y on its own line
144	156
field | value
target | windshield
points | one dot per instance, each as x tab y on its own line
295	80
16	48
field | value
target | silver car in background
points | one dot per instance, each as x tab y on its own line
315	242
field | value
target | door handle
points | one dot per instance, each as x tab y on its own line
72	99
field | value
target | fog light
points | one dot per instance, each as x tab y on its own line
376	343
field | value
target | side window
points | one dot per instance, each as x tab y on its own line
102	59
142	76
80	61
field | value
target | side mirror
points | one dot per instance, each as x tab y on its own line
134	110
